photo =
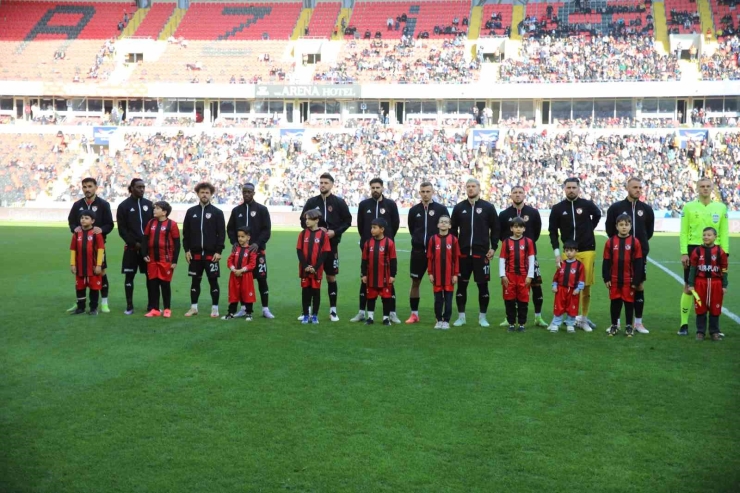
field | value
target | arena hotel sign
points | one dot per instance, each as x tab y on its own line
316	92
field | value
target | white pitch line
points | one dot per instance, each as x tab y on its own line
727	312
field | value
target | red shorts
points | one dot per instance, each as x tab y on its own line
384	292
95	283
625	293
310	282
159	270
566	302
711	296
441	289
241	289
517	288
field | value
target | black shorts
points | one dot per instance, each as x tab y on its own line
196	268
686	269
479	267
537	279
418	264
132	260
331	263
260	270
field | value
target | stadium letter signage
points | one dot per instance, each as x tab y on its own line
308	92
65	12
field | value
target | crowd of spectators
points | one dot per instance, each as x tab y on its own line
727	26
690	21
617	123
584	59
723	64
405	62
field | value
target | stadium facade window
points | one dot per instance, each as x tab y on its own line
186	106
78	104
151	105
714	104
170	105
496	108
6	104
47	104
60	104
413	107
583	109
460	106
509	109
624	108
317	107
604	108
526	110
226	106
731	105
242	106
260	106
135	105
95	105
333	107
650	105
667	105
560	110
356	107
276	106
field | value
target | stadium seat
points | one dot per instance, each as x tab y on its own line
239	21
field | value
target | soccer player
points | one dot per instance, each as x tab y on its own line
516	269
695	216
103	226
443	264
203	235
313	247
377	206
132	216
241	263
161	250
576	219
379	268
422	222
475	223
256	217
335	219
643	225
533	229
87	252
708	280
567	284
622	272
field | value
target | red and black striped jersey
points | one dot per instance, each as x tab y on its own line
623	261
379	261
86	246
569	274
312	247
710	262
517	253
161	241
443	259
242	257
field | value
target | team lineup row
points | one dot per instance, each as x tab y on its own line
469	238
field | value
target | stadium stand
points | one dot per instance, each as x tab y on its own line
497	19
726	17
435	18
155	20
683	16
324	19
239	21
723	63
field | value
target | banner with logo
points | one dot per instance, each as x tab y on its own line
103	135
687	136
482	136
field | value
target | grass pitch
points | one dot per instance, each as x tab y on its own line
114	403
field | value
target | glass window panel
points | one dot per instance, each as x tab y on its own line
373	107
413	107
151	105
135	105
317	107
731	105
650	105
451	107
60	104
260	106
560	110
332	107
353	107
242	106
495	106
583	109
275	106
186	106
6	104
78	104
429	107
170	105
95	105
47	104
604	108
526	110
668	105
714	104
509	109
624	108
226	106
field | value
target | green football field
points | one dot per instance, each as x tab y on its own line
128	404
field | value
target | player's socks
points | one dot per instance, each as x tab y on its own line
393	301
687	301
94	296
585	301
195	291
363	296
316	301
104	288
213	283
639	305
166	294
414	302
616	310
264	293
306	295
333	291
128	287
462	296
483	297
538	300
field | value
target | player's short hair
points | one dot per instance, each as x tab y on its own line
634	178
572	179
703	178
709	228
623	218
244	229
248	185
472	180
376	180
517	186
133	182
165	206
518	221
326	176
426	184
86	213
312	214
204	184
379	222
570	245
90	179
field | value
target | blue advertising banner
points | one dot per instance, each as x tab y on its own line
291	133
687	136
102	135
481	136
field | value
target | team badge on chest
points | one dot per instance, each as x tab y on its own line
208	215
